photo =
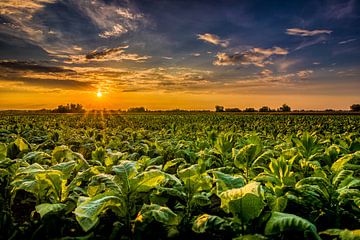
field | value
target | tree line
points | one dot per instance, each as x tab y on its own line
283	108
78	108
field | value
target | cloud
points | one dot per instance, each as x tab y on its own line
53	83
107	54
111	19
195	54
116	30
213	39
59	32
266	72
306	33
107	79
304	74
308	43
31	66
341	10
284	64
347	41
14	7
255	56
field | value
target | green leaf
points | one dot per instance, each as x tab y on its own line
66	168
125	170
37	157
344	234
99	154
205	223
278	204
46	208
189	172
146	181
89	208
341	176
22	144
245	203
251	237
282	222
158	213
109	183
3	151
200	199
225	181
245	156
341	162
172	165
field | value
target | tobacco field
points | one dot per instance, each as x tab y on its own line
179	176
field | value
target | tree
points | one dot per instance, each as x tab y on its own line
355	107
137	109
232	110
264	109
69	108
219	108
249	110
284	108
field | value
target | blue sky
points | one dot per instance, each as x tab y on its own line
307	49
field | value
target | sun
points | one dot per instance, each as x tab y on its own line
99	94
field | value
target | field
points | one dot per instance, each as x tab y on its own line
179	176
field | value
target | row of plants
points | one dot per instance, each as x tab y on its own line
196	176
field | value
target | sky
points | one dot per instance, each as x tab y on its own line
188	54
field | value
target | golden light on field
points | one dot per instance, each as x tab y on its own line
99	94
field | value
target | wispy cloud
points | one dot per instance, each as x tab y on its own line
31	66
107	54
213	39
347	41
340	10
45	76
311	42
283	65
306	33
24	20
13	7
266	72
255	56
304	74
111	19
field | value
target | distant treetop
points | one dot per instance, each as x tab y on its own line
69	108
355	107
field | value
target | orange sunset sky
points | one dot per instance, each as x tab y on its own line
179	54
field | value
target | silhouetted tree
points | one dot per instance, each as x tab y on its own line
355	107
264	109
232	110
137	109
284	108
69	108
219	108
249	110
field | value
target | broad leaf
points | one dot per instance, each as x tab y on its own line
282	222
146	181
210	223
88	209
245	203
46	208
